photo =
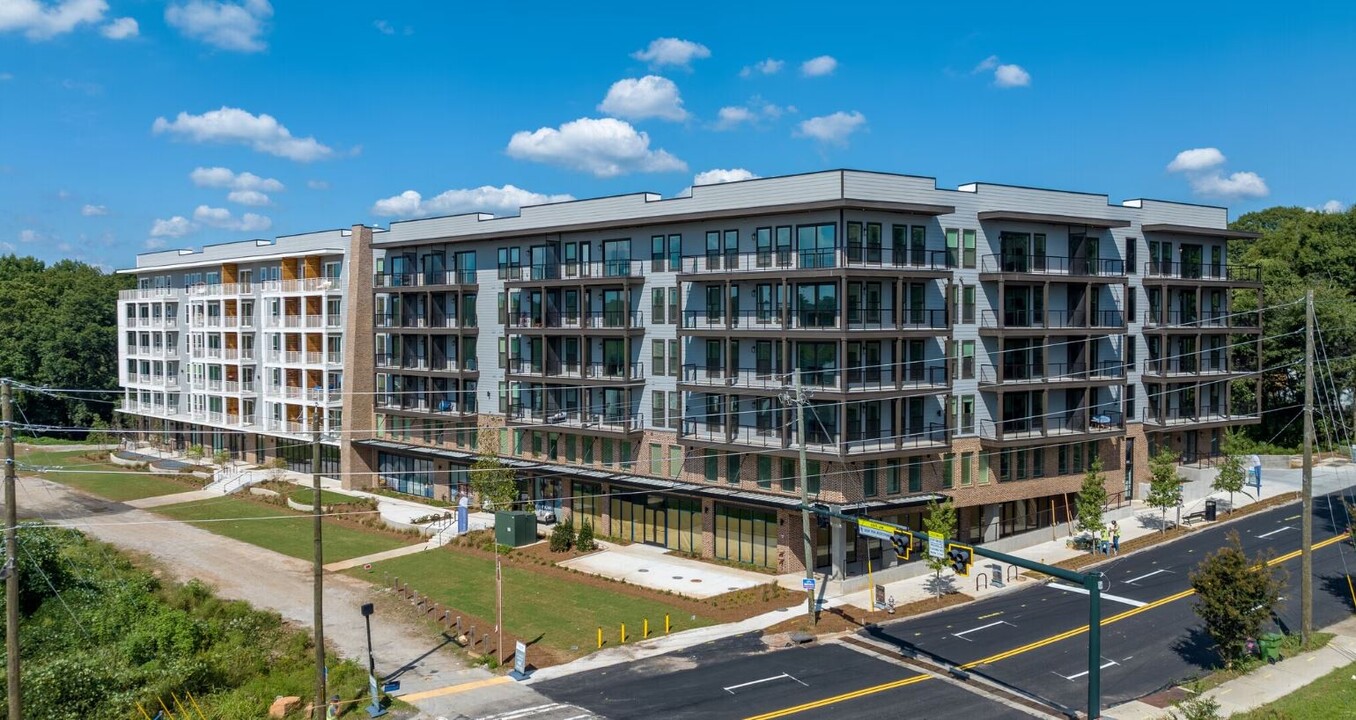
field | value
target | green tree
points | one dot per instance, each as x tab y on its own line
221	457
1230	476
562	536
194	452
584	541
941	519
491	481
1165	485
1234	596
1091	500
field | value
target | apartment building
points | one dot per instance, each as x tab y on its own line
238	346
633	357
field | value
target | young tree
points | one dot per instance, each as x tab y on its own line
1091	501
941	519
277	468
1231	476
221	457
194	453
1234	596
491	481
584	540
1165	485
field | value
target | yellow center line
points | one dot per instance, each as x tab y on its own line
453	689
1016	651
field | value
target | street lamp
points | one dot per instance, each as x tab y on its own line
375	709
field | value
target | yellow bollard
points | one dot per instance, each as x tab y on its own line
600	637
645	630
666	623
623	634
168	714
143	712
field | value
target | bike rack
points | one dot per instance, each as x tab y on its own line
1012	573
985	578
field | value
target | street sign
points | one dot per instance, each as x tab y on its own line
808	584
880	597
873	529
519	660
936	545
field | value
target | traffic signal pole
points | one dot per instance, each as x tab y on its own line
1091	581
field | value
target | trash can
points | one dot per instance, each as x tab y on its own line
1270	647
1210	510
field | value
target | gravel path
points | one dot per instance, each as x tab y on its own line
265	579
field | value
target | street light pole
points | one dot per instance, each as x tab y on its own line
375	710
318	572
804	495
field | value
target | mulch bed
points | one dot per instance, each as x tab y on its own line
850	618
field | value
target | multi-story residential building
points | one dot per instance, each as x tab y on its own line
988	343
238	346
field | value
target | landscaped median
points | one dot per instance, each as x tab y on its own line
90	472
557	610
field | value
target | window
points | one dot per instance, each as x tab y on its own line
1130	352
1063	468
915	475
657	253
788	475
968	359
503	353
967	470
657	306
764	472
673	306
675	252
675	460
1130	403
968	248
586	450
812	477
763	243
732	468
892	479
607	451
657	416
1131	294
673	358
984	468
967	414
503	308
869	488
503	398
571	259
1131	255
1038	462
952	247
510	260
711	465
948	470
657	364
675	413
968	304
815	245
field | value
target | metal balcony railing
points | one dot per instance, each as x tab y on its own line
424	279
1051	372
1202	271
1051	319
597	269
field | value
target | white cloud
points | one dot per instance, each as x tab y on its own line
41	21
233	125
985	65
834	128
672	51
175	227
121	29
763	67
486	198
9	248
757	109
605	147
818	67
1196	159
1010	76
384	27
226	25
647	97
222	218
31	236
220	177
718	176
94	210
318	184
1333	207
252	198
1237	185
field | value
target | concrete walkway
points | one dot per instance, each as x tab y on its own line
171	499
652	567
1267	683
375	557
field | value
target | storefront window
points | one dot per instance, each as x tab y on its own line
746	535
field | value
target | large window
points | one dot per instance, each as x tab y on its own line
817	305
617	258
815	245
405	474
746	535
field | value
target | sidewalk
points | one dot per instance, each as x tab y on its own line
1267	683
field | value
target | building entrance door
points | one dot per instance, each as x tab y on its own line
654	529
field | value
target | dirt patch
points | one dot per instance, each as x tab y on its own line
849	618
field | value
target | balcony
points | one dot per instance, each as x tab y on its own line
618	371
785	259
1103	372
921	376
608	271
1198	271
928	320
432	402
1203	320
1065	426
159	293
593	319
438	279
304	285
1051	321
821	442
1207	415
604	422
1189	366
1001	266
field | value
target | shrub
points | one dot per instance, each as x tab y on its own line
194	453
221	457
584	541
562	536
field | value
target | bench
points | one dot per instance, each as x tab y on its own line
1197	516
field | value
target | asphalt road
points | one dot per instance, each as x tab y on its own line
1033	639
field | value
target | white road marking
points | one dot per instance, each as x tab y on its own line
525	712
1113	598
1273	532
1146	575
1071	678
962	635
783	676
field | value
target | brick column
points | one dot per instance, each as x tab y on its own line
359	364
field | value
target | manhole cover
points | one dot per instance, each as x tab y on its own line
644	570
696	579
677	577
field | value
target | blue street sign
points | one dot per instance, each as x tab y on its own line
808	584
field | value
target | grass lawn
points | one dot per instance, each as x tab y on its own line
104	479
303	495
564	614
1331	696
289	537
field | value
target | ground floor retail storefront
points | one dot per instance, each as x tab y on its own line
243	445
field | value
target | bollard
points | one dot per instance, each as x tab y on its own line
645	630
666	623
600	637
623	633
458	624
446	613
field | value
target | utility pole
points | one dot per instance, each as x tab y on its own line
11	570
498	602
799	399
1307	511
318	711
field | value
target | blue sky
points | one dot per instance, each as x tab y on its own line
128	125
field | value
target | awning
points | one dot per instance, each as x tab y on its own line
1047	219
1169	228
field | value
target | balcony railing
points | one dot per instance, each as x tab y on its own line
1206	364
438	402
1202	271
1052	372
150	293
315	284
820	440
1209	412
424	279
1200	319
784	259
618	422
1051	319
598	269
1077	422
850	319
1052	265
565	320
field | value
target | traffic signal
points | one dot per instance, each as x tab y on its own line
902	544
960	557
